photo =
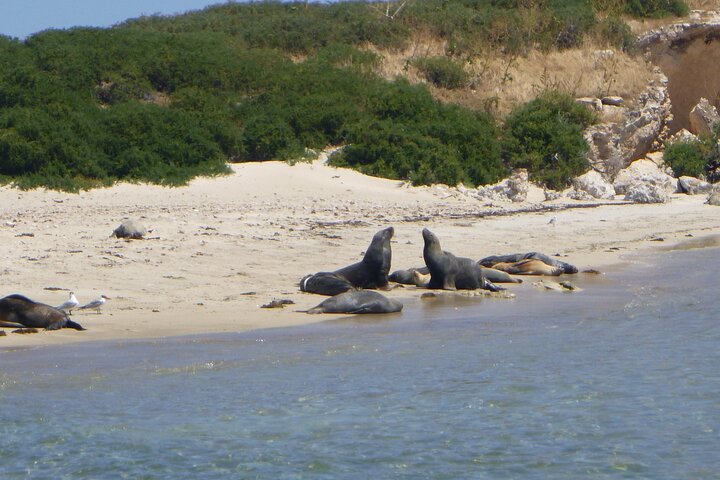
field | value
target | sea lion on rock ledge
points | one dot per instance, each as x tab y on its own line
370	272
449	272
19	311
358	301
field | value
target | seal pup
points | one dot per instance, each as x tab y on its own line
516	257
529	266
358	301
19	311
449	272
408	276
371	272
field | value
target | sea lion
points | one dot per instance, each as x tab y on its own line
325	283
370	272
529	266
358	301
19	311
408	276
516	257
449	272
420	276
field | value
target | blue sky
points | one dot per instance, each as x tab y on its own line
20	18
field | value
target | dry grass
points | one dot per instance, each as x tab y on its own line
501	82
704	4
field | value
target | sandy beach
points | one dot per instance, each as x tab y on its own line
220	248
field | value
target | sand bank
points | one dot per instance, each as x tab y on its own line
222	247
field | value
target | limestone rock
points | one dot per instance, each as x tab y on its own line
641	192
702	118
619	141
518	185
694	186
590	102
594	184
683	135
130	229
644	171
714	197
612	100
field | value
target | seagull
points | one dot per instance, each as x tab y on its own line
69	304
95	304
552	221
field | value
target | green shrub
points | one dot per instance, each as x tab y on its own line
442	72
545	136
695	158
616	33
657	8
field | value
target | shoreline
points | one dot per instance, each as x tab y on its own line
219	248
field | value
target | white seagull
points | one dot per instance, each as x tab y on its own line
552	221
95	304
69	304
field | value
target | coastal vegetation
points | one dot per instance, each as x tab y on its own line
163	99
696	158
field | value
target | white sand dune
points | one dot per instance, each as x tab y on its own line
221	247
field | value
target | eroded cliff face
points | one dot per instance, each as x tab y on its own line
687	59
689	56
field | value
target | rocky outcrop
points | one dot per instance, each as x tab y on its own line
644	171
694	186
514	188
682	135
614	145
646	193
703	117
595	185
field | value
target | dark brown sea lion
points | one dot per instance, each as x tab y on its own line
449	272
358	301
370	272
516	257
19	311
529	267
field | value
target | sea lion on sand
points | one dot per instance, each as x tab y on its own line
421	276
370	272
516	257
358	301
407	277
449	272
19	311
529	266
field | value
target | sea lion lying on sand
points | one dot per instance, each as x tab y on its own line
449	272
358	301
529	267
417	276
492	260
370	272
19	311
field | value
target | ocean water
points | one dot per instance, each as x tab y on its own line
621	380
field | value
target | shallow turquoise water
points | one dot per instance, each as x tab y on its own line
618	381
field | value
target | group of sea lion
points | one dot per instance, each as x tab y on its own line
442	270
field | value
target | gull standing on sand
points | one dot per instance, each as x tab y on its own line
552	221
69	304
95	304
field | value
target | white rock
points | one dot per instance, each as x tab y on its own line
702	118
694	186
714	197
643	171
642	192
594	184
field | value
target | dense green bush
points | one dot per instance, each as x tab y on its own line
657	8
545	136
699	158
442	72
